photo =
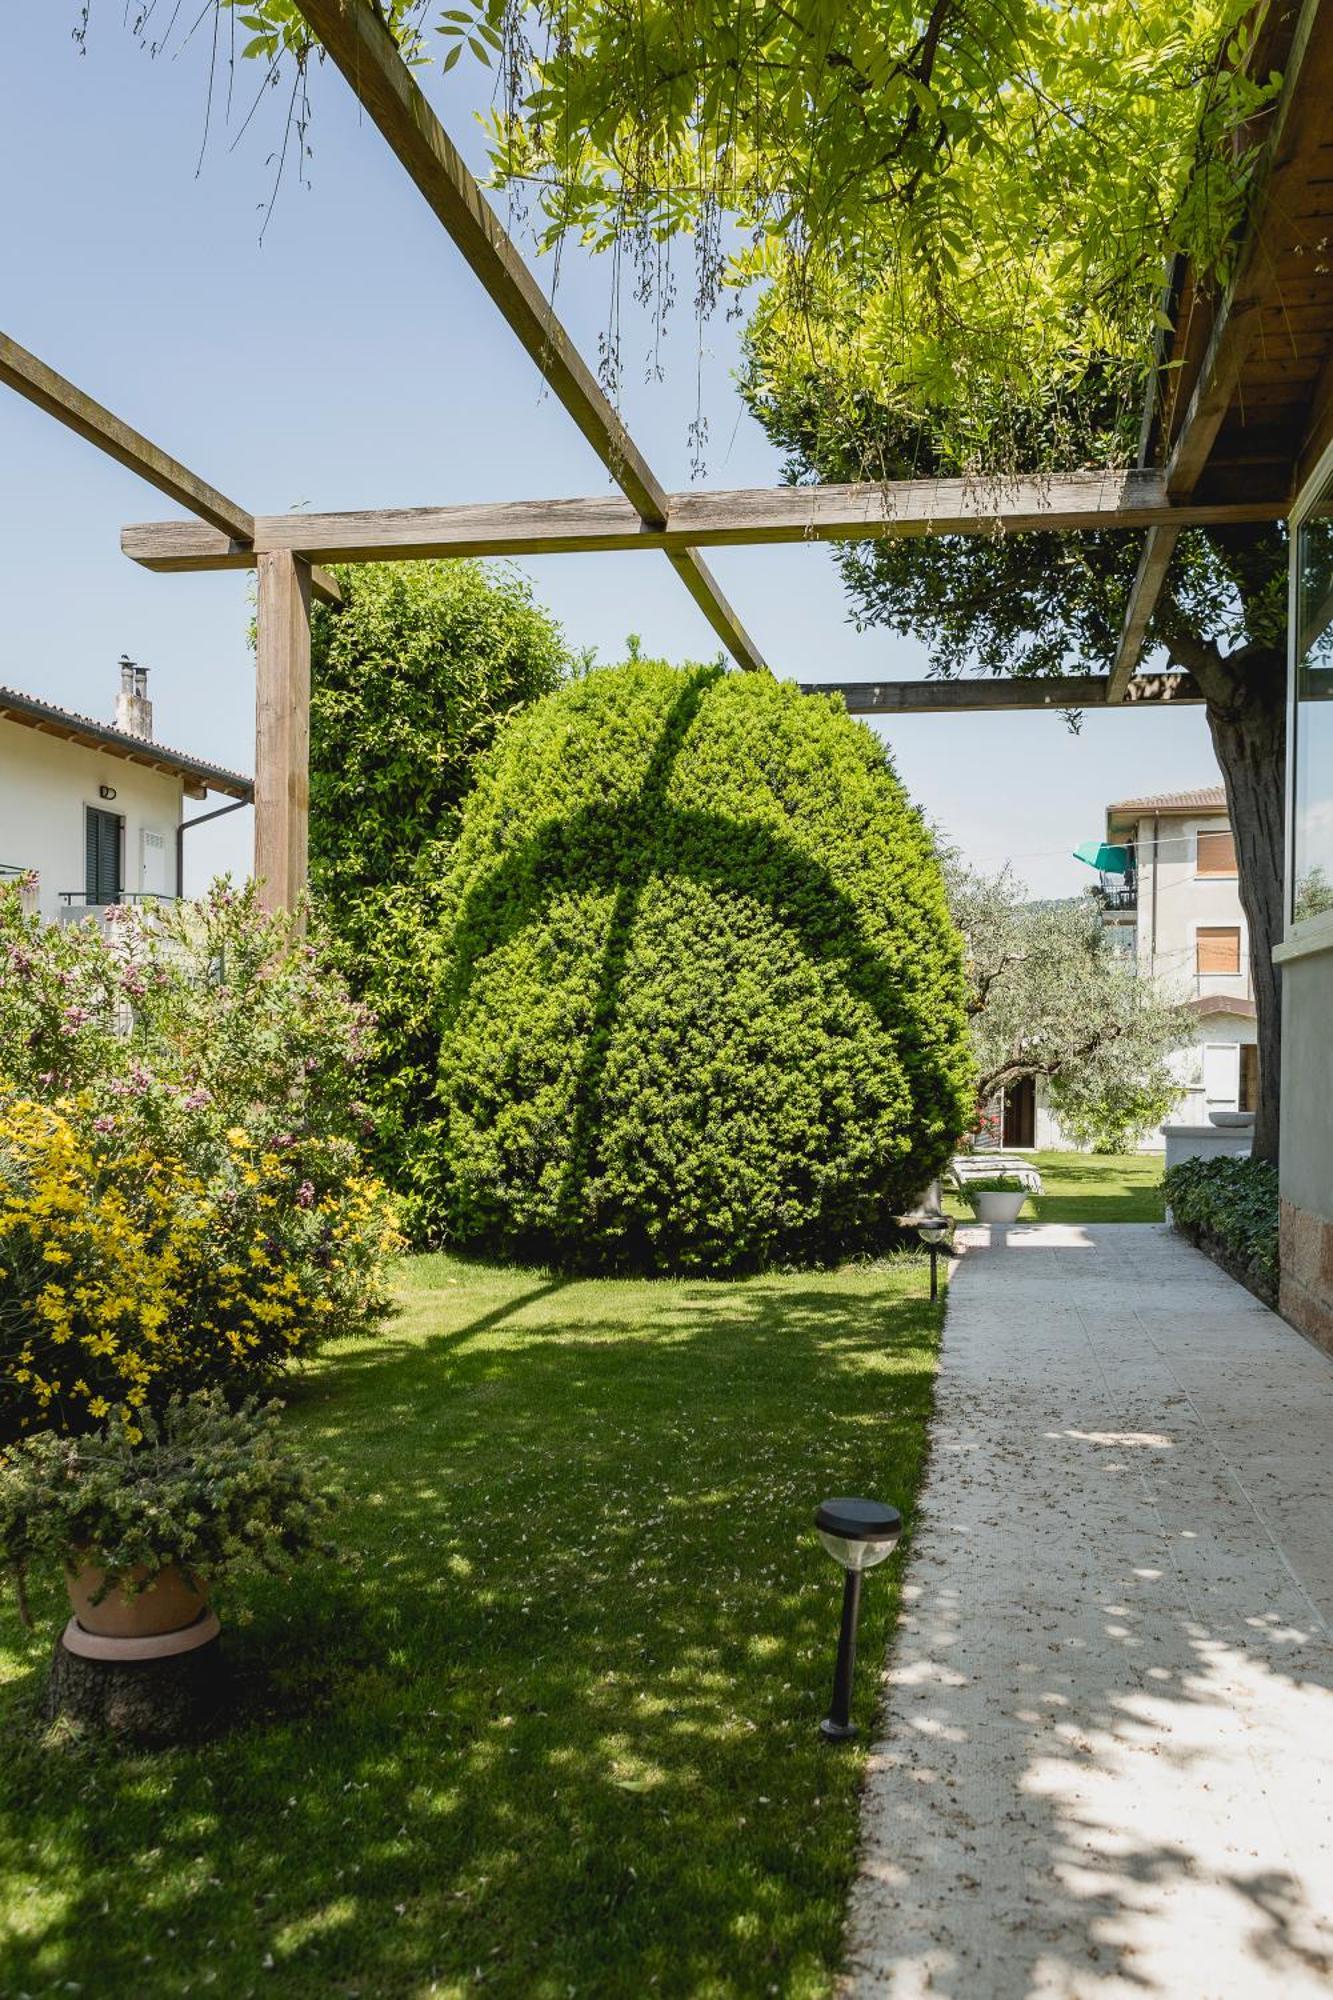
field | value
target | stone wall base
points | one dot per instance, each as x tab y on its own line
1306	1262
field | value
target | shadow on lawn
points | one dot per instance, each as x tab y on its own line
1088	1192
554	1728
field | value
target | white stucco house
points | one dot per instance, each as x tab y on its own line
95	811
1172	903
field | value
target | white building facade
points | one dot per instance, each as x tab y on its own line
93	811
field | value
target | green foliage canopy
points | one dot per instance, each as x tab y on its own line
1003	182
999	187
702	1007
412	675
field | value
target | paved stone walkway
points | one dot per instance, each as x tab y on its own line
1106	1765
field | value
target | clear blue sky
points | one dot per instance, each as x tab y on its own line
351	360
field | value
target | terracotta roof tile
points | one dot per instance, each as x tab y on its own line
1208	799
27	709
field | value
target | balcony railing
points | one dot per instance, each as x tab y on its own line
69	896
75	907
27	881
1118	897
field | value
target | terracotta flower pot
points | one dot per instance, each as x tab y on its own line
168	1604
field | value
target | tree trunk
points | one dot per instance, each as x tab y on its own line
151	1703
1245	696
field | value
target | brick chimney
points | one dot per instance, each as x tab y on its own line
134	711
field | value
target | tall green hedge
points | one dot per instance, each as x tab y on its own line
412	674
701	999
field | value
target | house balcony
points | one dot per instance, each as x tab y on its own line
75	907
1118	897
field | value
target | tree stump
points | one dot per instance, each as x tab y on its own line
153	1702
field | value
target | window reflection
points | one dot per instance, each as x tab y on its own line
1313	816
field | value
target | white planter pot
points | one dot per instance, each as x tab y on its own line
998	1207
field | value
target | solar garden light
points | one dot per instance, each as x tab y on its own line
934	1232
858	1534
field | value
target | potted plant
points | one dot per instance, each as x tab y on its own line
997	1197
145	1518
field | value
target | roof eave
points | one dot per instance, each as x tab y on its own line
48	720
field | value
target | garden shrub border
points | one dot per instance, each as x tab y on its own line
1228	1208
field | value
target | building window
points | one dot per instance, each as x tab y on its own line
103	842
1217	948
1216	852
1249	1077
1312	812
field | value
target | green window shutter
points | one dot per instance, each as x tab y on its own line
90	851
102	844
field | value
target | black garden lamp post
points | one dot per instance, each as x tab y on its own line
857	1534
934	1233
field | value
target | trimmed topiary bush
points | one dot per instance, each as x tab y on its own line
702	1003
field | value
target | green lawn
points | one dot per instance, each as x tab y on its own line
550	1727
1091	1187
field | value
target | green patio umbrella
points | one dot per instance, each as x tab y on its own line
1108	859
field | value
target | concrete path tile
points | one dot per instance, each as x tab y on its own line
1106	1759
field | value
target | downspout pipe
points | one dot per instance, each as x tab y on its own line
219	812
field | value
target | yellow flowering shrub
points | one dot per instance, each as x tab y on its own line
128	1274
182	1199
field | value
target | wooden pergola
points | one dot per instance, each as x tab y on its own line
1242	405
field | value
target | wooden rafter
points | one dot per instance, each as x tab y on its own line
358	42
698	520
1143	596
41	385
1058	691
707	593
1299	128
29	377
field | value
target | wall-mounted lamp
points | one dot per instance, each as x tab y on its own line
106	791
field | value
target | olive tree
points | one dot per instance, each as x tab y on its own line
1051	999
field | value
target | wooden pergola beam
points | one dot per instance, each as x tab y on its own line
1298	127
30	377
1057	691
1073	500
356	39
282	730
1144	593
707	593
219	517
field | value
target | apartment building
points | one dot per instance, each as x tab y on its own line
1176	909
1170	898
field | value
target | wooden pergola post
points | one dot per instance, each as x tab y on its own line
282	729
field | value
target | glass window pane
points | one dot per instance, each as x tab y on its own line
1313	778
